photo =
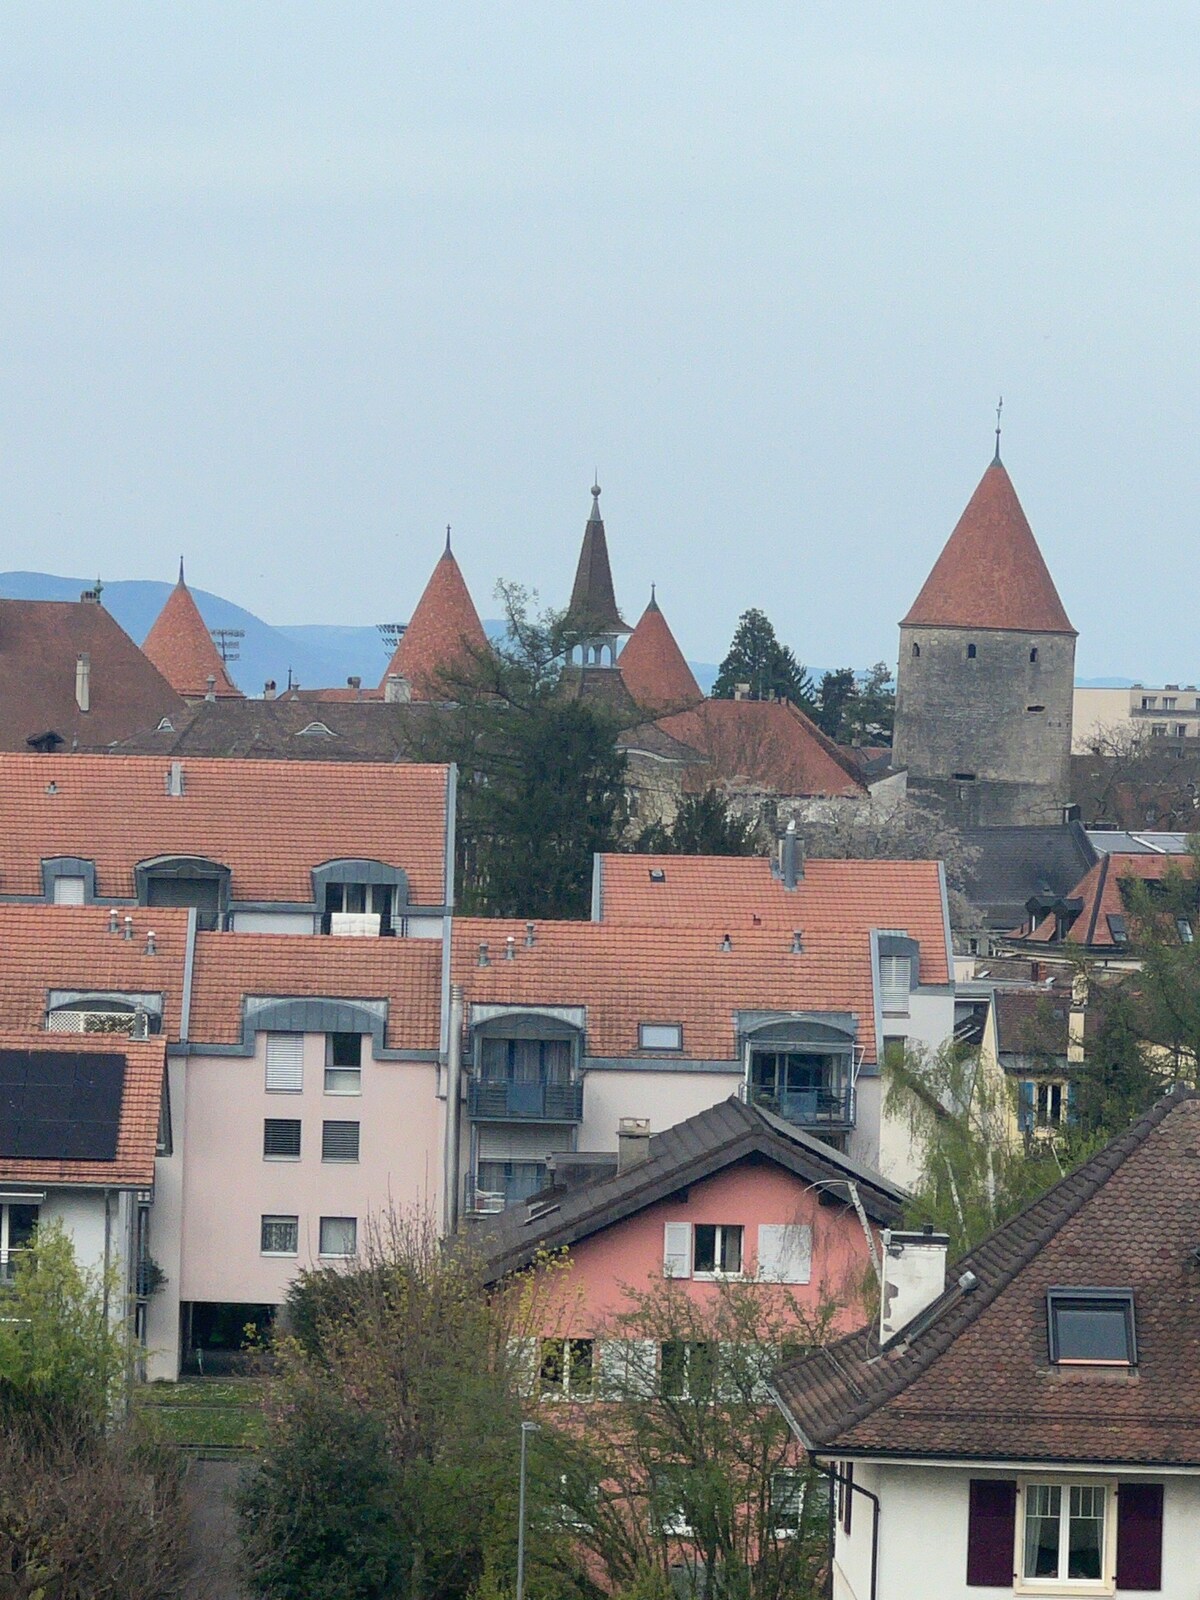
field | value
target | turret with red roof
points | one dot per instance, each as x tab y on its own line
442	636
181	647
653	665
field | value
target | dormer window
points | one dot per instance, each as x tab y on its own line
316	730
1091	1327
185	881
360	897
1117	928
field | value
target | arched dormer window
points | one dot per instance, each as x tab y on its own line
185	881
353	889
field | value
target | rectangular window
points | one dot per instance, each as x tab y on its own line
672	1513
1158	730
1186	932
1170	701
717	1250
1181	730
68	891
1117	928
18	1224
339	1141
281	1139
280	1236
343	1063
566	1371
285	1063
660	1035
895	981
339	1236
1064	1529
1091	1327
687	1370
787	1503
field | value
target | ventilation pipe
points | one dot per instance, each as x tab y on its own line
633	1142
792	863
211	681
484	958
127	930
510	948
530	935
175	779
83	681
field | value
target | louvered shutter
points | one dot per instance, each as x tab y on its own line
991	1532
895	980
1139	1536
285	1063
784	1252
281	1138
628	1368
339	1141
677	1250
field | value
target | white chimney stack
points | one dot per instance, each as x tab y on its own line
633	1142
914	1275
397	690
83	681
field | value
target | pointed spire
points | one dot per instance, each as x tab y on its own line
593	607
181	647
999	409
653	665
443	632
991	573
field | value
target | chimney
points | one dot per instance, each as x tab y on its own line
914	1275
530	935
791	857
397	690
355	683
633	1142
175	779
83	681
212	687
269	689
141	1023
484	959
741	691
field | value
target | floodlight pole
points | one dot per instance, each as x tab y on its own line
526	1429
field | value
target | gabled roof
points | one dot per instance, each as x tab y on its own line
975	1381
41	642
137	1135
442	635
766	745
685	1154
593	606
1005	866
366	730
732	893
269	822
991	573
653	667
181	647
1101	893
627	975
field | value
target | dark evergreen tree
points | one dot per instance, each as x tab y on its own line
834	699
704	825
769	669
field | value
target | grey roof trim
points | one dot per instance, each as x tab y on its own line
189	969
573	1016
660	1063
597	887
309	1014
68	867
152	1003
749	1022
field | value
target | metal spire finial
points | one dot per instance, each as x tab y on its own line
181	569
447	550
999	409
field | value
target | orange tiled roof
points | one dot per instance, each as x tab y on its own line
742	892
69	947
407	972
764	744
632	974
1100	891
991	573
653	666
270	822
141	1102
445	629
182	648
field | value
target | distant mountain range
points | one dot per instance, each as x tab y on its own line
317	655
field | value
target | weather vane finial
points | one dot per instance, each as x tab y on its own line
447	538
999	409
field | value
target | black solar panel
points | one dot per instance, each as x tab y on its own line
60	1105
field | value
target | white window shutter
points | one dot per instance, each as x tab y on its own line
895	979
525	1355
677	1250
784	1252
285	1063
628	1368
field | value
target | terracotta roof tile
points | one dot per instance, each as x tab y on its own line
181	647
1100	891
653	667
991	573
270	822
629	974
405	972
445	629
141	1101
742	892
764	745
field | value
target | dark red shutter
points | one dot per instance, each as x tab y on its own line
992	1531
1139	1535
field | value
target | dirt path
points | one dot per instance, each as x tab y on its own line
213	1539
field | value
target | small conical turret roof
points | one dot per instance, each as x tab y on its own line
181	647
444	631
653	665
991	573
593	607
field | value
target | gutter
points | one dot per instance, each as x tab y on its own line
189	967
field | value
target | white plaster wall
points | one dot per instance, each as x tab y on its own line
228	1187
664	1097
274	922
166	1236
1099	710
423	927
81	1212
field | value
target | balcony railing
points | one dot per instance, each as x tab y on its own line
502	1101
825	1108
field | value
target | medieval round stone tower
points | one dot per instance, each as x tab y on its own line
987	673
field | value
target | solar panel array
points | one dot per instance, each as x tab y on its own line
60	1105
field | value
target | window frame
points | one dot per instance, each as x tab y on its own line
277	1219
564	1391
280	1034
707	1364
7	1249
341	1122
645	1028
336	1255
721	1231
335	1068
1063	1295
1106	1583
281	1122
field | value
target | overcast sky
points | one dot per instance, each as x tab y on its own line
289	287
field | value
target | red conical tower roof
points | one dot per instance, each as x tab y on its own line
182	649
653	666
444	630
991	573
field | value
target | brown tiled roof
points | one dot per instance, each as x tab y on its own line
40	643
141	1102
181	647
370	730
1100	891
977	1383
443	634
742	892
688	1153
653	667
593	606
270	822
991	573
70	948
626	975
764	745
406	972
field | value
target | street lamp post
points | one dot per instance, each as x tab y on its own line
526	1429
